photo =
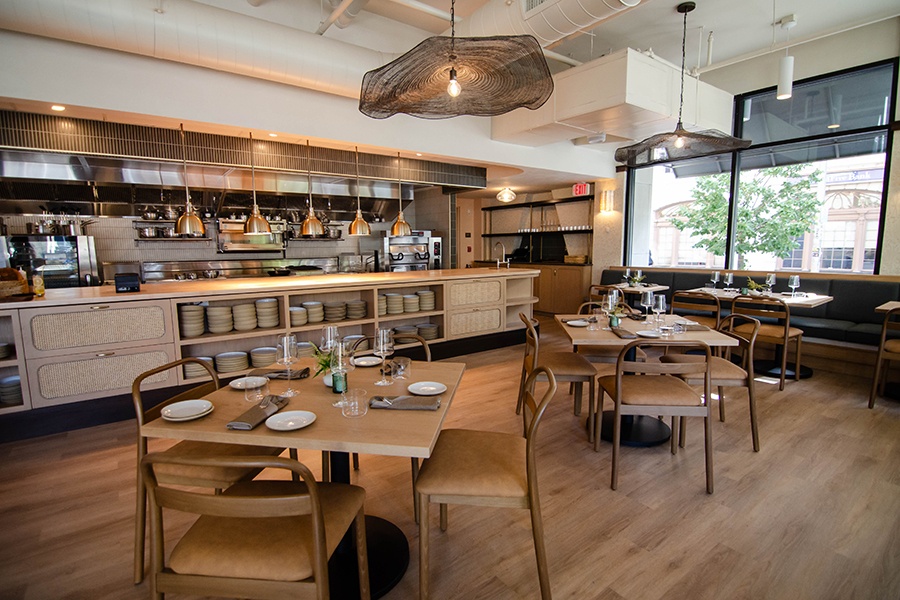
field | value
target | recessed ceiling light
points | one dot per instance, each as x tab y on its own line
418	154
273	135
58	107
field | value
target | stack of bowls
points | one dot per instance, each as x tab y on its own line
191	320
298	316
305	349
192	370
335	311
411	303
262	357
315	312
394	304
426	300
11	390
382	305
6	350
428	331
402	333
219	319
351	340
356	309
244	316
267	312
226	362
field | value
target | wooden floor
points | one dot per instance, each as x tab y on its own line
814	515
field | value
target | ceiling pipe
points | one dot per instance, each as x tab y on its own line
336	14
428	10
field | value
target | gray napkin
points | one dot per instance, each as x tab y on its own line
692	326
406	402
301	374
624	334
257	414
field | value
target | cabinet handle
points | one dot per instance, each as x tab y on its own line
100	307
100	354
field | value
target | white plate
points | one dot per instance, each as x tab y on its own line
290	420
578	323
367	361
187	410
648	333
247	382
427	388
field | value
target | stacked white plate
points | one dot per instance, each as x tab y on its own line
315	312
11	390
402	333
394	304
244	316
411	303
351	340
356	309
267	312
298	316
219	319
428	331
191	319
335	311
382	305
6	350
192	370
226	362
305	349
262	357
426	300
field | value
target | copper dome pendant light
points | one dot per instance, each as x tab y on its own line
256	224
188	224
312	226
680	144
400	226
359	225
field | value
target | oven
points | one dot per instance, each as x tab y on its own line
417	252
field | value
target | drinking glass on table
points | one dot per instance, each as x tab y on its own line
659	306
729	279
714	278
341	364
286	355
610	303
794	283
647	302
770	280
330	338
384	347
256	393
627	276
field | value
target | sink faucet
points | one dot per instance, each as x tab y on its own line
502	258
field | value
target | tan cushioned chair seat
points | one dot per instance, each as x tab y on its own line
892	345
769	331
719	368
567	363
652	390
218	477
277	548
475	463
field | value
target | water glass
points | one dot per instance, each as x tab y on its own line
401	367
794	283
257	393
384	347
647	302
659	307
355	403
678	328
594	321
330	338
286	355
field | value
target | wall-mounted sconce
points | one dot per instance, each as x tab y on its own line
607	203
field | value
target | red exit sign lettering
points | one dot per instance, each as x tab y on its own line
581	189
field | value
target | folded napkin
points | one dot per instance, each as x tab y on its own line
624	334
258	414
301	374
406	402
692	326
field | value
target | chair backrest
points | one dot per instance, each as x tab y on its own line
690	303
762	307
145	415
747	341
532	413
627	364
597	291
532	349
890	325
419	339
587	308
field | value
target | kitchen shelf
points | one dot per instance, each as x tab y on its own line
539	233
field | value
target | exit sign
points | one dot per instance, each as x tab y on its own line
581	189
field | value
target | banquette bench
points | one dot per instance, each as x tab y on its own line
849	318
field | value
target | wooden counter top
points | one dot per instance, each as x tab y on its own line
219	287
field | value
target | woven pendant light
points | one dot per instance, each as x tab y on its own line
680	144
188	224
400	226
311	226
256	224
359	225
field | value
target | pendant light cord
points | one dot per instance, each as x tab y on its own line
683	39
453	33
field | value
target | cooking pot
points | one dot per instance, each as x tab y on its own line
151	215
170	213
147	232
168	232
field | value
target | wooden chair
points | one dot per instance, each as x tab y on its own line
566	366
724	372
888	350
486	468
702	307
656	389
596	292
775	328
258	539
219	478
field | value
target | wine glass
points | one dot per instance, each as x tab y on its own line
647	302
794	283
714	278
286	355
627	276
384	347
659	306
770	280
609	307
729	279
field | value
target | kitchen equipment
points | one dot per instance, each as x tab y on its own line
63	260
168	232
150	215
147	232
231	237
170	213
128	282
417	252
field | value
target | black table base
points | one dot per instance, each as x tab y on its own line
637	430
772	368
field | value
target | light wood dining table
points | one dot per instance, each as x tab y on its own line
411	433
636	430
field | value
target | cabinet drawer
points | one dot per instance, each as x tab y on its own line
487	291
89	375
100	326
475	322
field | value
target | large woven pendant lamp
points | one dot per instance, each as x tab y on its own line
256	224
311	226
188	224
359	225
680	144
400	226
